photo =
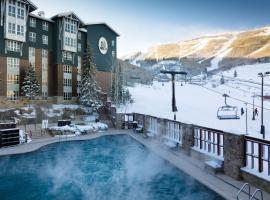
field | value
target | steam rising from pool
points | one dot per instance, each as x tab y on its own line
111	167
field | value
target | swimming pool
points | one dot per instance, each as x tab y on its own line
109	167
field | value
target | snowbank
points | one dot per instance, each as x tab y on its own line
80	129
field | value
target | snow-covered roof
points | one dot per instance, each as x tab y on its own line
42	18
32	5
102	23
65	14
83	30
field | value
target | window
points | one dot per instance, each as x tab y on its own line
70	42
113	54
32	51
20	12
67	95
11	28
45	26
12	8
67	69
32	22
79	47
32	56
44	95
20	30
67	56
13	78
45	39
32	37
113	43
13	46
68	82
70	26
79	35
44	53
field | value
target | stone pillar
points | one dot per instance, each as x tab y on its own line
187	136
234	155
119	119
161	127
145	124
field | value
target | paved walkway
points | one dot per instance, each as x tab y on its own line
221	184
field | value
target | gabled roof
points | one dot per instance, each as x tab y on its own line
105	24
42	18
66	14
32	5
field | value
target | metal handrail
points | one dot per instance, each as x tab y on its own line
242	189
255	192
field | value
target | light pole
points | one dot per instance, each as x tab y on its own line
246	119
173	73
262	75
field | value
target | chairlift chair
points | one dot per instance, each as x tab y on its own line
227	112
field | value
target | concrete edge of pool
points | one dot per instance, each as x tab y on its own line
224	188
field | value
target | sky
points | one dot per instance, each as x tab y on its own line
145	23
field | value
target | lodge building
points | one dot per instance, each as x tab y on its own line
54	47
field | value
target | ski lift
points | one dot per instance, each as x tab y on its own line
227	111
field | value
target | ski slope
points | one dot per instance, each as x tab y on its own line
198	104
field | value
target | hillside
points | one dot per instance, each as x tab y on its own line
199	99
222	51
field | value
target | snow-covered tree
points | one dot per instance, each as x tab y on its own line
89	89
30	86
120	94
235	74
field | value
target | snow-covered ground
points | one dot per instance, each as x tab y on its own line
199	104
81	129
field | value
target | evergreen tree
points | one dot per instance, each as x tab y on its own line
89	89
235	74
30	86
222	80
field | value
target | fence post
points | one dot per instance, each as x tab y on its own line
187	137
119	119
234	155
145	124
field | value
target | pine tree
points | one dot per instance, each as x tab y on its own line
30	86
88	88
235	74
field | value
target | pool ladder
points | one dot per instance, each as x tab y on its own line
250	196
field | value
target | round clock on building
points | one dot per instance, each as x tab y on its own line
103	45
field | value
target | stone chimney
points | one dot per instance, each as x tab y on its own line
41	13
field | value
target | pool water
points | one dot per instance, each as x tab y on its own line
106	168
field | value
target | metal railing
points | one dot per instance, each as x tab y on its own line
257	155
242	190
209	141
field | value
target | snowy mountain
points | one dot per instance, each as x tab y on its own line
214	53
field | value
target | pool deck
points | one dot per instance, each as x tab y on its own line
223	185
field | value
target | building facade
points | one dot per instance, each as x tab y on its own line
54	47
